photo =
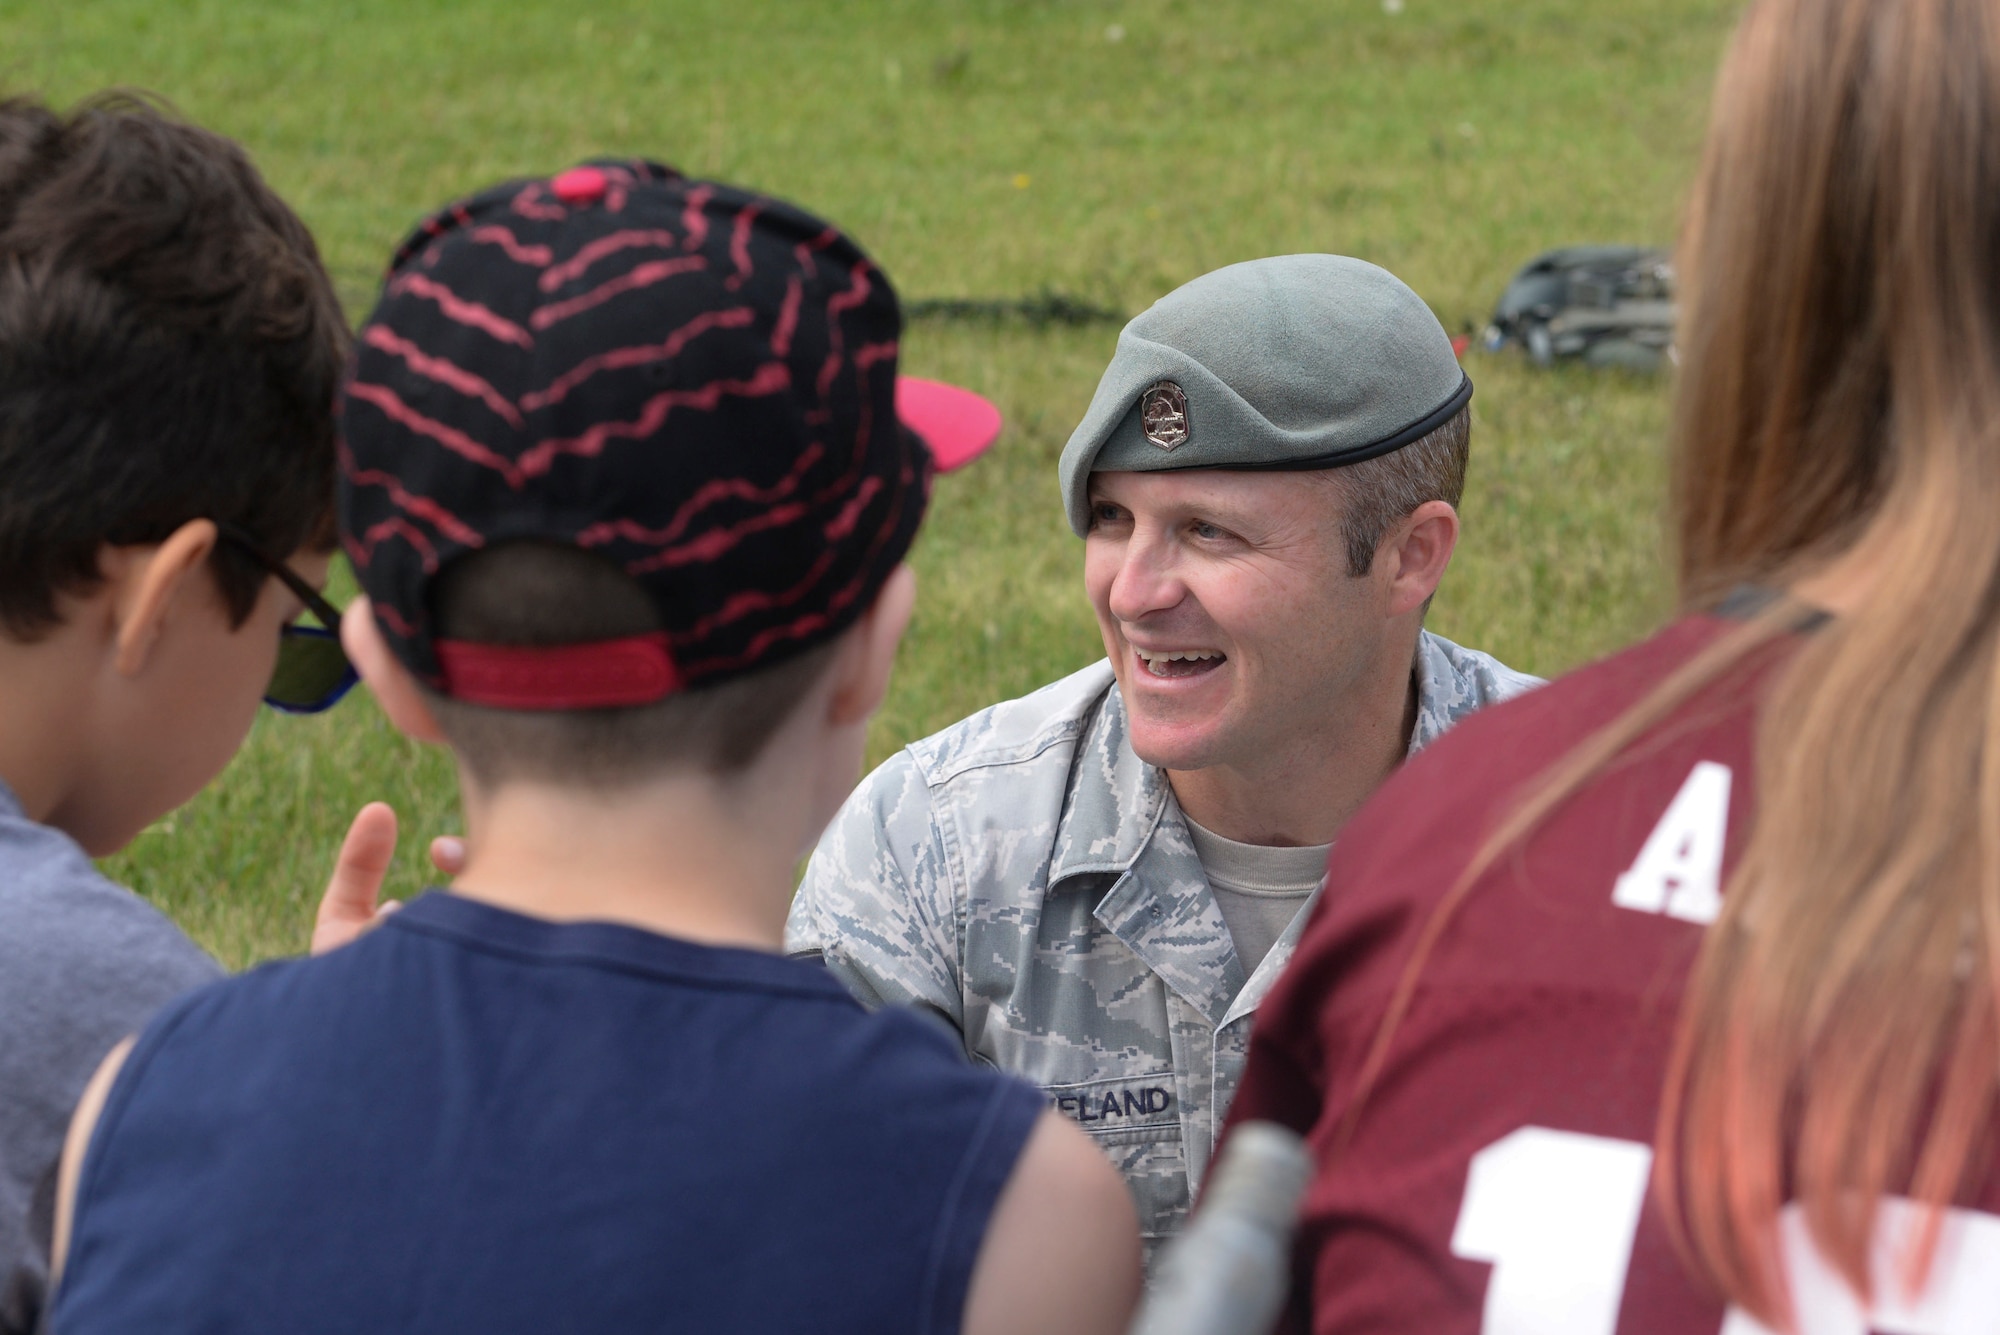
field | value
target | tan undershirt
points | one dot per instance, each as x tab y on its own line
1258	887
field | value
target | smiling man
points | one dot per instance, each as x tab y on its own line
1094	885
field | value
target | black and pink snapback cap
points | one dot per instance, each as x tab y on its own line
697	383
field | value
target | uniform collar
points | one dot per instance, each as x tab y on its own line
1447	687
1115	800
1120	824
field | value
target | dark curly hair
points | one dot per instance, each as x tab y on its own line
170	348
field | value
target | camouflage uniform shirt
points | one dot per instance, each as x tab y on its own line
1027	878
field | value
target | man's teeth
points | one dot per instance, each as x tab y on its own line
1164	664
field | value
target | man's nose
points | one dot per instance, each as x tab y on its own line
1147	582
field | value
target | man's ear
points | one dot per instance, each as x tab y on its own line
1414	556
390	682
148	582
866	662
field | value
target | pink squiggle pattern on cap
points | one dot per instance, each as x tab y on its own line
397	526
708	546
788	318
748	601
393	619
529	205
555	276
805	250
794	630
836	306
711	493
735	317
431	228
843	523
451	438
864	430
693	217
811	621
739	245
643	275
857	292
770	378
460	311
422	507
443	372
355	556
868	354
520	252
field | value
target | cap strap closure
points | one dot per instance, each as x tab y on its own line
602	674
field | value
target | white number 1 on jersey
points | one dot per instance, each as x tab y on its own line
1556	1212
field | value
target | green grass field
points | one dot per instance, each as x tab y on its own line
980	148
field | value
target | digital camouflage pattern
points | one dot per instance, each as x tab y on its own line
1027	878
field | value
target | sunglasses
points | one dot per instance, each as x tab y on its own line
312	671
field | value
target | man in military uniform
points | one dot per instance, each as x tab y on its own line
1095	884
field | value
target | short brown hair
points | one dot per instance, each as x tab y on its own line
1378	492
535	592
169	349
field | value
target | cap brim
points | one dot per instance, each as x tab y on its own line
955	423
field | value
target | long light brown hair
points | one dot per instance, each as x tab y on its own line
1839	391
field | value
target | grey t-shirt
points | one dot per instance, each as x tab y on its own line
83	963
1258	887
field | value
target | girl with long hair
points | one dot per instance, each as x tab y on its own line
1667	998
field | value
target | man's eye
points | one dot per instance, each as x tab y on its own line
1206	531
1104	512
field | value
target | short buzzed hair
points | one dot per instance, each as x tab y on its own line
536	592
1379	492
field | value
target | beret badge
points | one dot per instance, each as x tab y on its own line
1163	414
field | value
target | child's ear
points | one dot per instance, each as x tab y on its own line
864	669
393	686
147	581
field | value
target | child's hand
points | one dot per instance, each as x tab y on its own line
353	900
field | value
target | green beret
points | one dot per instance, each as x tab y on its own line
1292	362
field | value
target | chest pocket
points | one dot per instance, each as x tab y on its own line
1136	1121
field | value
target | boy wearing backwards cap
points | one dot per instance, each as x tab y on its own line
627	491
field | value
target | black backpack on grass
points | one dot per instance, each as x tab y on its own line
1602	305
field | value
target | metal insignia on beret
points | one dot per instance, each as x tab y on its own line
1163	415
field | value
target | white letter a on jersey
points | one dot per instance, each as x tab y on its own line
1679	871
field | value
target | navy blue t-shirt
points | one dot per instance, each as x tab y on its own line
472	1120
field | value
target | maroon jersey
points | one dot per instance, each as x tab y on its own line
1497	1181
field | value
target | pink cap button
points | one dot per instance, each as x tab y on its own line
580	185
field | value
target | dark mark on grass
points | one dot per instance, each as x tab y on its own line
950	68
1042	310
